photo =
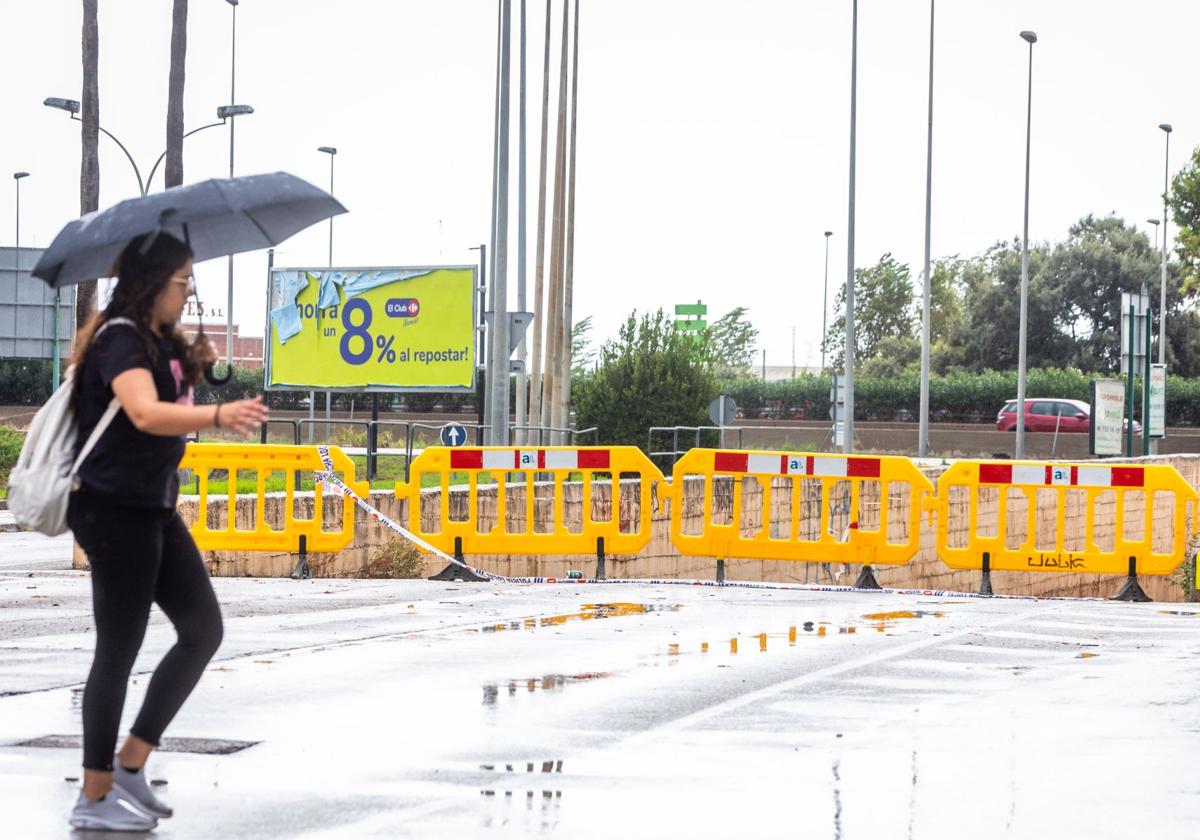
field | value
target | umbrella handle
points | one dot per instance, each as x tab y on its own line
213	379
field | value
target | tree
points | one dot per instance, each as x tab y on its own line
89	158
731	341
1184	201
992	305
582	354
173	174
883	306
649	376
1100	259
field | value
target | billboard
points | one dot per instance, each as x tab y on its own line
1108	416
372	329
27	309
1157	427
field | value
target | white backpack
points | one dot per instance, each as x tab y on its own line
44	476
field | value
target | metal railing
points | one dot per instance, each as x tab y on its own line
684	438
573	435
372	450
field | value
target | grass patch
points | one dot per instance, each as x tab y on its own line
11	441
389	471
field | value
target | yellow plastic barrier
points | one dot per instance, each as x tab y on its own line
1043	517
820	508
513	526
264	459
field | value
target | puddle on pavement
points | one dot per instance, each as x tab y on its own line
554	683
550	682
588	612
512	785
883	621
897	615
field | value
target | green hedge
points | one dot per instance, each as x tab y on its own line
27	382
246	383
24	381
961	397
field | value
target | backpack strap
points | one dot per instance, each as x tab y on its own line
94	437
109	413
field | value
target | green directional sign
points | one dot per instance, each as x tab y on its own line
690	318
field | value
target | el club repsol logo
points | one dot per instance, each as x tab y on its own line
403	308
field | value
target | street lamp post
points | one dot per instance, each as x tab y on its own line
1162	310
233	4
332	152
848	402
71	106
1156	223
1031	39
825	301
923	425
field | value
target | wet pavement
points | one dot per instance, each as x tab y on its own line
398	709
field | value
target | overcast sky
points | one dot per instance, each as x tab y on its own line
713	137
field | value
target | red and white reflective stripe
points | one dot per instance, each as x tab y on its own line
814	465
1062	474
529	459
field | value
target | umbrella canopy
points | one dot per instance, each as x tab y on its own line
218	217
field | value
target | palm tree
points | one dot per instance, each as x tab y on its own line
173	174
89	167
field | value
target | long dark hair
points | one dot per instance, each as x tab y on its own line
142	273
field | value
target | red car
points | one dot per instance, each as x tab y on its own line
1048	415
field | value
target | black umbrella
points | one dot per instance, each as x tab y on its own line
218	217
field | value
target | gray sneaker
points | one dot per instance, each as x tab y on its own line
136	789
109	813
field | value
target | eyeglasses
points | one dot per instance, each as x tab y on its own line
188	282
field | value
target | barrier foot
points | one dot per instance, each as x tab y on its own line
600	572
985	586
720	571
1132	590
302	571
866	579
454	572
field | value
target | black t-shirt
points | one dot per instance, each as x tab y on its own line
134	468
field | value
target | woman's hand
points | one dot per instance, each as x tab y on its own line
203	352
242	417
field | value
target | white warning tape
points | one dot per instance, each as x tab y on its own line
331	482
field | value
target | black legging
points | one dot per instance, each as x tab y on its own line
139	557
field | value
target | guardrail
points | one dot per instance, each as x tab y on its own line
527	482
295	534
783	506
1046	517
812	507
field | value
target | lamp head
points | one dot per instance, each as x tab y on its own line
71	106
1165	127
226	111
17	176
232	2
829	233
1154	222
1030	37
329	150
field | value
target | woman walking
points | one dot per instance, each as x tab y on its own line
123	515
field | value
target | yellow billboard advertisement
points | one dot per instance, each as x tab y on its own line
383	329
